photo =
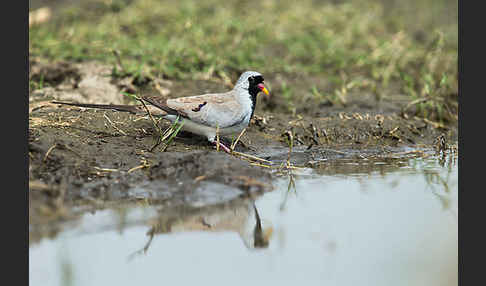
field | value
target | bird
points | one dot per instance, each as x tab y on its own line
226	113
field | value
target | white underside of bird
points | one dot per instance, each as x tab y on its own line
209	131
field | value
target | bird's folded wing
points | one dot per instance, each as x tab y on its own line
161	103
218	109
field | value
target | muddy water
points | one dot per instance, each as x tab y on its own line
387	223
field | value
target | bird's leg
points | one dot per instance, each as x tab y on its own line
221	145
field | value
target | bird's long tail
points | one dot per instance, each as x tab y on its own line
134	109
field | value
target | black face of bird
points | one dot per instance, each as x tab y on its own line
255	80
256	85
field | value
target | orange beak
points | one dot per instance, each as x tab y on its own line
262	88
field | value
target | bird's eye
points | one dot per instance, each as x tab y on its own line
251	78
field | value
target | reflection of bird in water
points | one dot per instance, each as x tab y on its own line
260	237
239	216
243	219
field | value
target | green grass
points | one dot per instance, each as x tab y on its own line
408	47
33	85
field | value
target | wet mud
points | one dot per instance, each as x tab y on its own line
86	159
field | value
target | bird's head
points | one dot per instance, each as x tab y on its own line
253	82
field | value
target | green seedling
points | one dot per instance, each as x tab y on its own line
168	134
172	133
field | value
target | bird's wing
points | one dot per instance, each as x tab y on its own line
216	109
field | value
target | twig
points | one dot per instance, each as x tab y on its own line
233	145
291	167
113	125
251	156
161	136
38	186
217	138
150	115
290	142
262	165
106	169
49	151
336	151
136	168
145	164
433	123
200	178
416	101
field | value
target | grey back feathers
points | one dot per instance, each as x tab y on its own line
221	109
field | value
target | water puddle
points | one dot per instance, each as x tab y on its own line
352	222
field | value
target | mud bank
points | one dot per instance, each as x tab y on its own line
84	159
